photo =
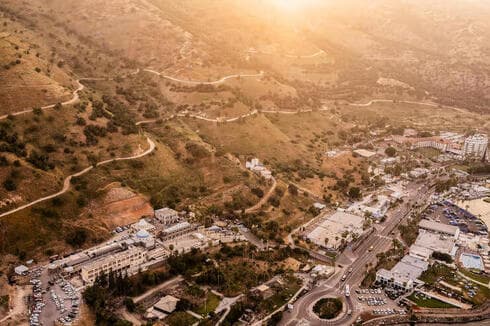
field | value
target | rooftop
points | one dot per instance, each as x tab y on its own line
438	227
364	153
177	227
435	242
166	304
166	212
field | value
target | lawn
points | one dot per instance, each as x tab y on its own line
475	276
212	301
180	318
428	152
428	302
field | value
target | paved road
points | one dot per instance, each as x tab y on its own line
200	82
431	104
73	100
316	54
66	182
378	241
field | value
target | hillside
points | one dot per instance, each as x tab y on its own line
210	82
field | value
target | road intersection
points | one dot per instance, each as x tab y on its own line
357	260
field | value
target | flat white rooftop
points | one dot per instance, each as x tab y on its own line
439	227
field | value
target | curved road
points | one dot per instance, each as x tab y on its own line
431	104
197	82
243	116
66	182
73	100
320	52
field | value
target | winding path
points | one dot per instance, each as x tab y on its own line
73	100
264	198
431	104
316	54
66	182
197	82
243	116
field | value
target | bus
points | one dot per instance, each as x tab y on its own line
347	290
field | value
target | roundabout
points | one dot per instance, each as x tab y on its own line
328	308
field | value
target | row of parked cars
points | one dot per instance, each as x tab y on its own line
37	295
372	301
388	312
368	291
70	295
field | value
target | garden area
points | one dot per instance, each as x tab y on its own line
422	300
328	308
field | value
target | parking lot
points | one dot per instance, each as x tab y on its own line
54	299
377	299
448	213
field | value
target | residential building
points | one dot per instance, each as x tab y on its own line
167	216
476	146
257	167
431	142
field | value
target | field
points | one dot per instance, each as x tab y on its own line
475	276
180	318
212	302
428	302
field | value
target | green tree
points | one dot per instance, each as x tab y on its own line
390	151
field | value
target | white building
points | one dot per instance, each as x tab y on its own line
337	228
364	153
432	143
254	165
403	276
476	146
418	172
167	216
21	270
388	161
433	242
127	262
441	228
374	206
144	238
142	225
179	230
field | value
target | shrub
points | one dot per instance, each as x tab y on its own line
9	184
77	237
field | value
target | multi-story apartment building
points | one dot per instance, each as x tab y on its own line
475	146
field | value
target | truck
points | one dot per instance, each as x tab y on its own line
347	290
